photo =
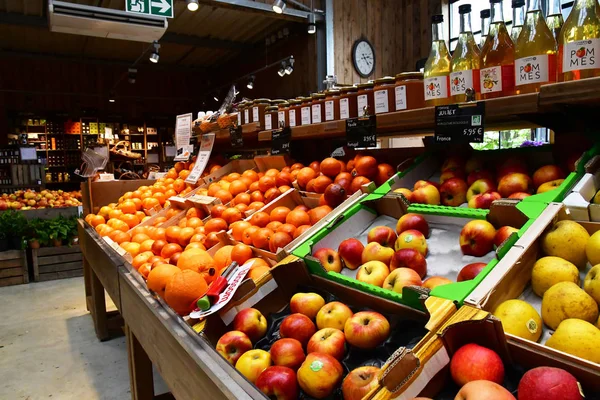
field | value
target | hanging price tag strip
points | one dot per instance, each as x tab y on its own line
280	141
235	135
361	132
460	123
206	146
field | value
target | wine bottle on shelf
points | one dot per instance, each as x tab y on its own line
518	8
465	60
555	20
485	26
437	66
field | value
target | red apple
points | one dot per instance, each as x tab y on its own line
502	234
546	383
513	183
278	383
333	315
421	184
511	166
401	277
435	281
453	192
477	238
473	164
287	352
384	235
452	173
319	375
519	195
484	200
359	382
426	195
350	250
376	252
412	221
473	362
409	258
453	162
480	186
251	322
483	390
367	329
329	259
479	174
232	345
328	341
373	272
404	192
297	326
548	186
470	271
547	173
308	304
252	363
412	239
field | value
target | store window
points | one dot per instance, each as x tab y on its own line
493	140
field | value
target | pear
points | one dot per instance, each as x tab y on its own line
548	271
519	318
568	240
591	283
577	337
567	300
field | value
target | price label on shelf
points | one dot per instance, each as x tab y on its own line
280	141
361	132
460	123
235	135
206	146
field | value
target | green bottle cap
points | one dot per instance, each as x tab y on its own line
203	303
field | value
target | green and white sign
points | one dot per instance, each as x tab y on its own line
159	8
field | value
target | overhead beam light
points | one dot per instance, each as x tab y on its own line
250	84
216	97
290	68
281	71
192	5
111	96
154	56
312	23
279	6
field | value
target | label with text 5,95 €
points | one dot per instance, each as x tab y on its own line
361	132
280	141
460	123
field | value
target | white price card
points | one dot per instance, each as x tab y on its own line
183	132
206	146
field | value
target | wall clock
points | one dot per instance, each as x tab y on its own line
363	57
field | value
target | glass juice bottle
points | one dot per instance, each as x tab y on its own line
437	67
497	58
465	60
579	43
485	26
518	9
535	52
554	20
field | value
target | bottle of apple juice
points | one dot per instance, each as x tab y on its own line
465	60
555	20
518	7
579	43
535	52
437	67
485	26
497	75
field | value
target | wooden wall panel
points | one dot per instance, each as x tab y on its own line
400	31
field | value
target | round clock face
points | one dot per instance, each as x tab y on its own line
363	57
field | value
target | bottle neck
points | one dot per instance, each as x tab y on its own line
534	5
465	23
518	16
497	15
554	7
485	26
437	31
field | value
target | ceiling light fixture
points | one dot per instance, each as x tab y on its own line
111	96
192	5
312	23
216	97
281	71
131	75
290	68
154	56
279	6
250	84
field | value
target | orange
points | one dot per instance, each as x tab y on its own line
159	234
242	207
200	229
170	193
130	219
256	273
248	233
128	195
194	222
224	196
141	258
261	238
254	187
215	225
146	194
287	228
279	214
193	212
247	181
195	245
260	219
159	277
257	196
232	177
231	215
131	247
257	205
251	174
258	262
300	230
145	269
160	197
182	223
140	238
172	234
128	207
178	185
184	174
297	218
97	220
185	235
141	215
273	172
213	188
115	214
242	198
196	260
198	237
169	249
117	224
146	245
237	229
179	166
237	187
104	211
183	289
138	203
136	194
273	225
158	245
102	228
119	236
241	253
88	218
149	203
154	259
223	257
265	183
171	212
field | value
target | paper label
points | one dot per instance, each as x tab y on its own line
268	123
329	110
247	115
255	117
381	101
497	79
535	69
239	118
316	114
281	119
581	54
436	87
344	109
305	115
206	146
362	105
460	81
400	98
292	118
183	133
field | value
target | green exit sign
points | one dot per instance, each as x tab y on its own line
159	8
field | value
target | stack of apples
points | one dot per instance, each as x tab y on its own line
312	343
473	183
30	199
335	180
393	259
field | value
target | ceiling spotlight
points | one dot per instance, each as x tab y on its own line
131	75
290	68
111	96
154	56
281	71
312	24
279	6
216	97
250	84
192	5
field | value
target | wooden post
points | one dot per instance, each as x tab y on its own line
97	307
141	380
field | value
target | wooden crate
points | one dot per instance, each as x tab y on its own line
56	263
13	268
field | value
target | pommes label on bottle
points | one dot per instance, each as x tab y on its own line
292	118
496	79
400	97
436	87
534	69
344	109
581	54
460	81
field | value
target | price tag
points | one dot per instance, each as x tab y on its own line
460	123
361	132
280	141
235	135
206	146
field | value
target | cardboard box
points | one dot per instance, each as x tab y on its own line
98	194
511	281
580	200
445	257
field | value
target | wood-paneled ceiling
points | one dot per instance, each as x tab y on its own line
206	38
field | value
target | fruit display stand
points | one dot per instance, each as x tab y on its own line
14	268
56	262
98	194
512	281
445	256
